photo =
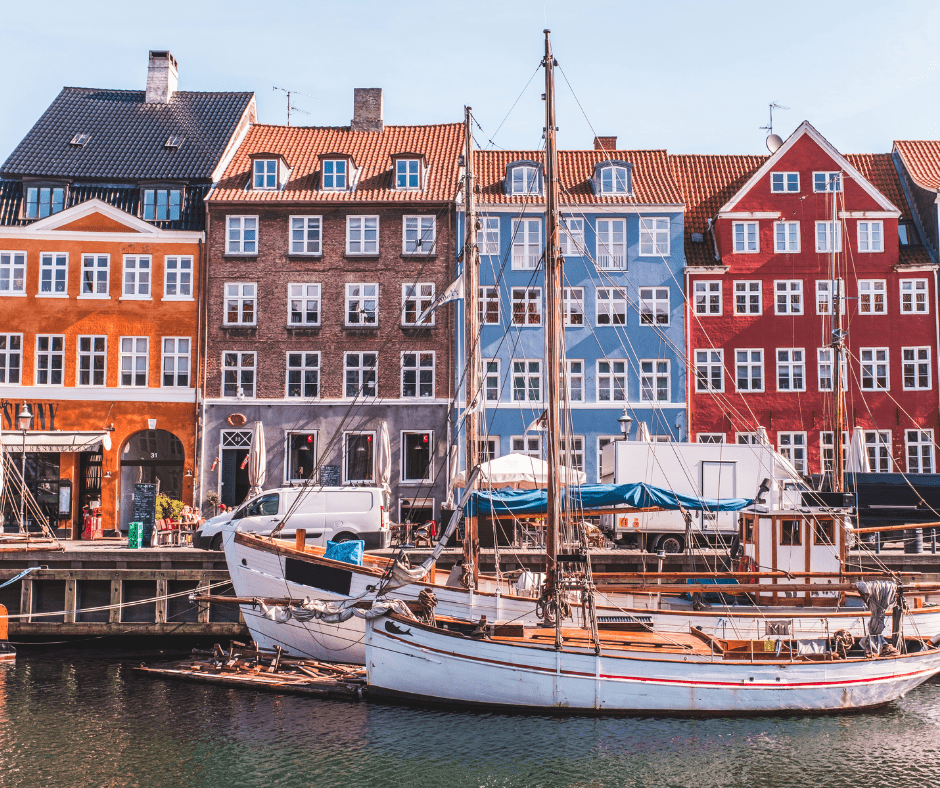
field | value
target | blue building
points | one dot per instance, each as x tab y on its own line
622	237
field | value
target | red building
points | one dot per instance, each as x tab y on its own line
766	248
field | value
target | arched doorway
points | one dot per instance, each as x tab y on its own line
150	457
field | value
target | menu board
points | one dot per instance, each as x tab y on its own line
329	475
145	509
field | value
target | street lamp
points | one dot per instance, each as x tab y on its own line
24	421
625	421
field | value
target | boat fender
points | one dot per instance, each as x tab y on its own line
747	564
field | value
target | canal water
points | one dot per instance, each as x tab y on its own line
81	717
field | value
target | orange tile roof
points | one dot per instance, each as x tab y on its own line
922	160
706	183
652	181
878	169
441	145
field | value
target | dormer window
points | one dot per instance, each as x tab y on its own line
524	179
408	174
335	174
80	140
162	204
613	177
41	201
265	174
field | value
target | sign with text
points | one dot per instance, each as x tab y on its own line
145	509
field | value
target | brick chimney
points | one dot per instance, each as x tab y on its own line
162	77
605	143
367	110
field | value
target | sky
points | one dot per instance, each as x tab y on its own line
691	77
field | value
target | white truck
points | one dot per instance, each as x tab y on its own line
708	470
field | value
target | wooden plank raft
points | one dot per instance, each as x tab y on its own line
251	667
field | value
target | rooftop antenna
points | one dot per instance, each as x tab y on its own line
291	107
774	141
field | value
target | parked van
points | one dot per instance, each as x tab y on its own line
340	514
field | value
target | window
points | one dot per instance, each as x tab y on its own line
710	437
824	290
491	382
526	381
362	304
748	438
306	235
176	362
12	273
362	235
301	456
914	297
709	373
827	452
240	303
526	306
746	237
874	368
303	304
265	174
747	298
359	456
824	237
178	278
571	236
784	181
611	243
417	374
614	180
488	306
825	369
602	442
487	449
790	535
53	274
573	306
611	381
919	445
823	532
872	297
916	367
827	181
11	358
360	374
415	299
791	369
789	296
526	243
907	234
50	360
708	297
416	457
134	361
572	450
575	379
488	235
654	237
525	180
163	205
92	353
749	370
654	306
792	445
529	445
878	447
611	306
241	235
41	201
419	235
654	380
136	276
786	237
870	235
303	375
407	174
334	174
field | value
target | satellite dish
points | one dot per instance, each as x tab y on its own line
774	141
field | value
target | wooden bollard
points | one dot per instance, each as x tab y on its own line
300	539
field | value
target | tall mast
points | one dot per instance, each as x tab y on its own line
838	340
471	542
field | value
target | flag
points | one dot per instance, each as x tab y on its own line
452	292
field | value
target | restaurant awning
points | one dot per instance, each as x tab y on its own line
55	441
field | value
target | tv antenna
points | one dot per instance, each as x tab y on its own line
291	107
774	141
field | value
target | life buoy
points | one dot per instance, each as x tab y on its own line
747	564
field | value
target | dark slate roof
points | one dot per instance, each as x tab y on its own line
127	135
127	198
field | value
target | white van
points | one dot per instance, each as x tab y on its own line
340	514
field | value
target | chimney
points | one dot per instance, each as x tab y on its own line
605	143
367	110
161	78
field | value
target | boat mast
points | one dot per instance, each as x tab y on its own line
838	345
471	542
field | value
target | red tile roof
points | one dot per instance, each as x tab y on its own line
652	181
922	160
878	169
441	145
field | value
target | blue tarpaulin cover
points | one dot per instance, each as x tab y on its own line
347	552
598	496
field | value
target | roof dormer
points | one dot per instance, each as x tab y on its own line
337	172
269	172
613	177
523	177
409	171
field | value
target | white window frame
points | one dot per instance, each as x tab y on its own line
708	296
526	244
745	288
358	228
745	237
573	307
11	359
91	354
415	298
571	236
526	371
786	237
530	301
790	361
824	295
529	445
611	176
527	181
709	360
405	479
572	451
710	437
748	360
786	181
827	182
132	351
241	235
792	445
364	433
611	243
826	464
919	451
823	236
872	294
411	175
304	299
288	466
366	384
416	365
653	371
917	292
747	438
488	449
48	356
177	269
416	233
654	236
137	276
490	376
872	362
602	442
612	377
610	306
12	272
878	448
792	292
871	236
917	360
824	360
334	175
306	236
574	379
359	294
240	294
298	364
488	236
650	305
488	305
53	266
264	177
173	359
98	286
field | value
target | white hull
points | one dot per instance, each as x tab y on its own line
418	662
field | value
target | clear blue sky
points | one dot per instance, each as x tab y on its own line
689	76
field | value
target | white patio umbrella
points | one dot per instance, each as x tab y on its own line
643	433
857	461
519	472
384	459
257	460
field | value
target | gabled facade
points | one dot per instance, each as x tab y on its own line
622	229
102	223
325	246
761	291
